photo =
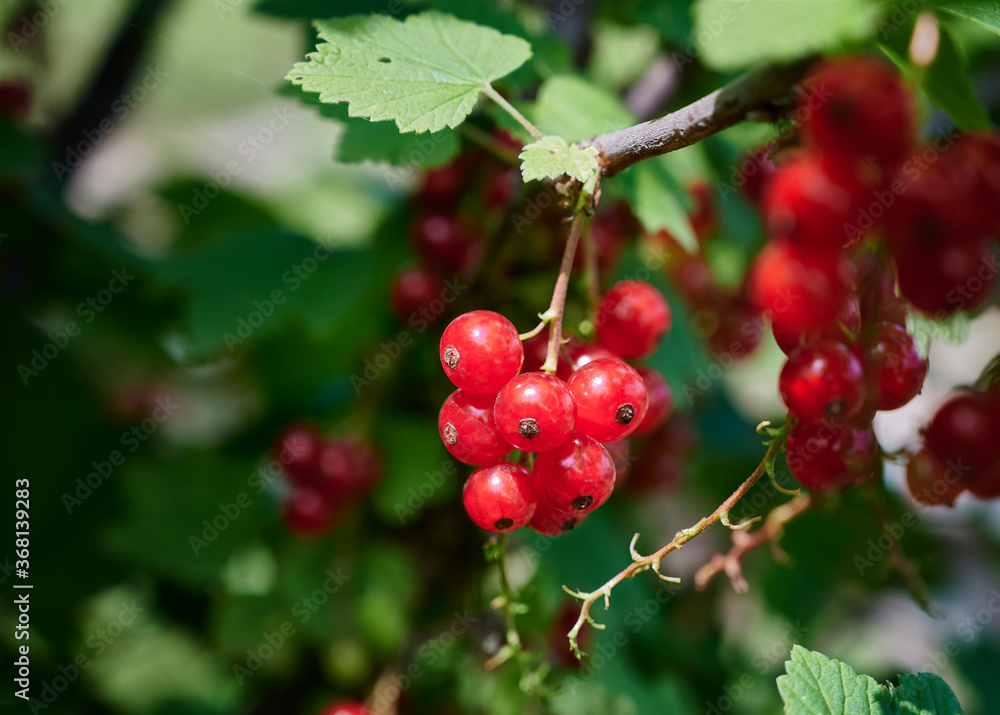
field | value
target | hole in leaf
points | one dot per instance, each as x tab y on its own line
384	60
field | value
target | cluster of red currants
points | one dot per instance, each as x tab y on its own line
862	172
961	451
565	419
325	475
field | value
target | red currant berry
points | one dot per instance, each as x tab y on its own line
661	465
808	288
580	354
481	351
963	433
869	113
535	412
348	468
415	291
845	325
730	325
499	189
609	231
443	240
823	380
297	449
466	426
809	204
930	482
443	185
308	512
576	477
632	318
660	401
977	156
691	276
499	497
984	484
704	216
894	368
756	170
610	399
346	707
831	458
947	279
15	98
552	522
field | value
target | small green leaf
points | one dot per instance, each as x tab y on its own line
658	201
981	12
739	33
425	73
817	685
926	694
947	83
953	329
550	157
577	110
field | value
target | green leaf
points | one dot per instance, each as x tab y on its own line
577	110
953	329
417	472
551	156
659	201
425	73
947	83
621	54
738	33
311	9
926	694
817	685
981	12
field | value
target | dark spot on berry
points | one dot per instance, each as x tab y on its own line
450	433
528	428
625	414
835	407
570	524
504	523
582	501
450	356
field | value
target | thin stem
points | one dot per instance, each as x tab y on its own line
558	305
652	562
521	119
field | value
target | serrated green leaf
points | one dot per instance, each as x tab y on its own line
817	685
425	73
926	694
981	12
954	329
577	110
947	83
552	156
658	201
739	33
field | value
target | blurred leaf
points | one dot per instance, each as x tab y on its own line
416	72
734	34
981	12
953	329
576	109
658	201
948	84
417	472
926	694
21	150
322	9
817	685
621	54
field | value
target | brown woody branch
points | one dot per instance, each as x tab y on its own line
755	95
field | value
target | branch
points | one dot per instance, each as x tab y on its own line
744	542
652	562
758	91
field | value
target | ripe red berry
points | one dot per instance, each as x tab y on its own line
844	326
632	318
499	188
481	351
730	325
535	412
467	429
610	399
445	241
808	288
499	497
946	279
827	457
984	484
660	401
346	707
756	171
704	215
297	449
893	366
869	113
823	380
443	185
417	293
662	463
552	522
964	433
808	203
348	468
976	159
576	477
308	511
15	97
930	482
609	232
